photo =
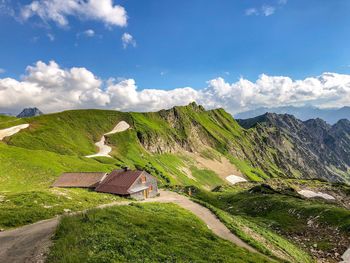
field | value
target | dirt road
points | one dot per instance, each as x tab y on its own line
29	244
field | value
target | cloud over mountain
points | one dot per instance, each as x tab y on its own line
52	88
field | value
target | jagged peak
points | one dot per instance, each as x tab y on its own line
269	118
30	112
342	125
317	123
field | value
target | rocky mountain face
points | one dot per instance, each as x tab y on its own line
274	145
29	112
313	148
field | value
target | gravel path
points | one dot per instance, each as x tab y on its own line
29	244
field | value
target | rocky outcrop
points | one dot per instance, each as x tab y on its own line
29	112
279	145
312	147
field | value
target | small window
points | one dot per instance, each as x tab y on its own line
151	187
143	179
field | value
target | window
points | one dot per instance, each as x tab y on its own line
143	179
151	187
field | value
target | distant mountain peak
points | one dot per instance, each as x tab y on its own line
30	112
330	115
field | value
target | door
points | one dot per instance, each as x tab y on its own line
145	193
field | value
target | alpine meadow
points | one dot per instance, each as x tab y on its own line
163	131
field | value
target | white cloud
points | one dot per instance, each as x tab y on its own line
251	11
265	10
58	11
87	33
268	10
127	40
51	37
52	88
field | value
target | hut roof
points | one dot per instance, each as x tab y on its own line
84	180
119	182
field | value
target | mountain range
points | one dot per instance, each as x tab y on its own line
189	147
268	146
330	115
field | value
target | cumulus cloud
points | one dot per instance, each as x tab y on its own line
52	88
127	40
58	11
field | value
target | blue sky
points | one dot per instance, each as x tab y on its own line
182	43
185	43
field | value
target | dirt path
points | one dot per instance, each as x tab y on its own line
205	215
30	243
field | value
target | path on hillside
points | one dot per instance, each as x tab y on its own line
29	244
104	149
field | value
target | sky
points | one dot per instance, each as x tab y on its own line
153	54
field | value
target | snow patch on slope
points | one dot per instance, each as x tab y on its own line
233	179
104	149
311	194
11	131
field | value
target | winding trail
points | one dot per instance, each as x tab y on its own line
104	149
30	243
12	130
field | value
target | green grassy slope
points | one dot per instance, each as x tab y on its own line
156	142
25	178
69	132
313	225
186	128
22	169
9	121
142	233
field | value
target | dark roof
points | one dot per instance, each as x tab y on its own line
86	180
119	182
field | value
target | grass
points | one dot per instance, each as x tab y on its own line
206	177
23	208
24	170
283	215
283	212
25	177
9	121
263	239
69	132
142	233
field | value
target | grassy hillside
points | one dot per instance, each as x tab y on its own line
316	226
23	170
142	233
69	132
8	121
25	178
